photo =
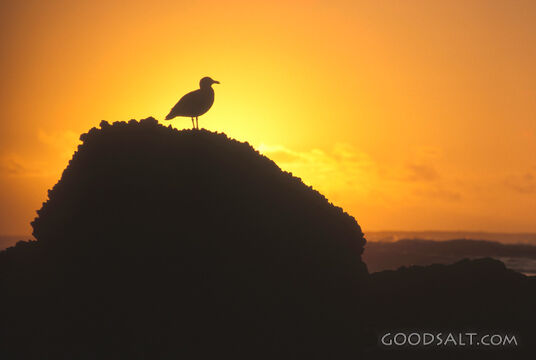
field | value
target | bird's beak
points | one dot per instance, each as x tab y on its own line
216	82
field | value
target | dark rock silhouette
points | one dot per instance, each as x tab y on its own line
182	243
157	243
479	296
195	103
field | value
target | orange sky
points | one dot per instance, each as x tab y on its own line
411	115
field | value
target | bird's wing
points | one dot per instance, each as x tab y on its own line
187	105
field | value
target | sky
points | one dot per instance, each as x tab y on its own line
410	115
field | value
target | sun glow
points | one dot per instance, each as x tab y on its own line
413	115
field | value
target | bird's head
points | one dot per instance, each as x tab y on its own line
207	82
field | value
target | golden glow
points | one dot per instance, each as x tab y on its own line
410	115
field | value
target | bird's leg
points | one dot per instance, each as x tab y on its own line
193	124
197	122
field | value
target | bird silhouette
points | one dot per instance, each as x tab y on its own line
195	103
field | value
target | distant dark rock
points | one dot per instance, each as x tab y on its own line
392	255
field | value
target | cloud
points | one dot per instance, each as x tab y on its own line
14	165
343	172
425	180
64	141
522	183
339	169
280	154
11	166
422	172
439	193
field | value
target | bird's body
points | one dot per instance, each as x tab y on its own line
195	103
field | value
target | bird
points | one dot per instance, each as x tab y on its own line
195	103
